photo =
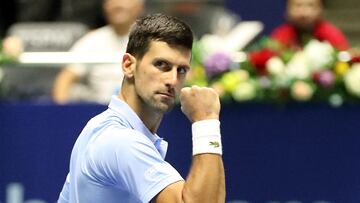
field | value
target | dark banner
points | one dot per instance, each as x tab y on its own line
272	154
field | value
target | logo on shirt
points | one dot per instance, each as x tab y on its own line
214	144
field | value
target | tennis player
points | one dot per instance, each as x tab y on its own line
118	156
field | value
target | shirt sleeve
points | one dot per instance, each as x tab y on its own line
64	194
128	160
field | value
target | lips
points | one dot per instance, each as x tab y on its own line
170	94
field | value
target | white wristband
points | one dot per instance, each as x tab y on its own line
206	137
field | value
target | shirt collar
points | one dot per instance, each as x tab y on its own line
133	120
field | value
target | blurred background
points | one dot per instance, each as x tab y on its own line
290	113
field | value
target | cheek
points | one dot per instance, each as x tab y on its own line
149	77
146	79
292	14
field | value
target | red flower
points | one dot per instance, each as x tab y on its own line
355	59
259	58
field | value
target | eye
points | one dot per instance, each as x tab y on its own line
162	65
182	69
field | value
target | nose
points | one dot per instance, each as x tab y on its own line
172	77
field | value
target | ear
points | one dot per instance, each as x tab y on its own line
128	65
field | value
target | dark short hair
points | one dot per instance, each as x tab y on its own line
158	27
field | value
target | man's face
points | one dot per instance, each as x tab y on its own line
122	12
160	75
304	14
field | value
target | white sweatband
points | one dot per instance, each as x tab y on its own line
206	137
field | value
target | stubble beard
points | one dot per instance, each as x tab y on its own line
156	105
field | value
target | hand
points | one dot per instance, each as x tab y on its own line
200	103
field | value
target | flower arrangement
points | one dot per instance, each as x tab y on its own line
271	73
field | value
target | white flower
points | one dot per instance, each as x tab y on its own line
298	67
211	44
301	91
275	66
352	80
315	57
244	91
319	54
281	81
344	56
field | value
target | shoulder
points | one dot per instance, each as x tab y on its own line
326	26
113	148
284	33
115	140
329	32
119	135
283	28
93	38
99	32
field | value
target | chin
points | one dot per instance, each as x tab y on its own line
164	107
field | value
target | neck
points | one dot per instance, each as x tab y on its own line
121	30
151	119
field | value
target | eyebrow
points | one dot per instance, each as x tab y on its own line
187	66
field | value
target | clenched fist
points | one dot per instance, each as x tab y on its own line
200	103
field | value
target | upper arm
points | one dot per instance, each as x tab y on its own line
172	193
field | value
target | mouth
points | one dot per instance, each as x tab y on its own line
169	95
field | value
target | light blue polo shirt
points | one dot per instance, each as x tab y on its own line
117	159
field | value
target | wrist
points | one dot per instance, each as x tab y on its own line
206	137
204	116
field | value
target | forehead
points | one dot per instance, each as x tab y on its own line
173	53
316	2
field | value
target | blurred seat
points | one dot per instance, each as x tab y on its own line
35	83
48	36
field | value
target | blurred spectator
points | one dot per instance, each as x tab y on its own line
305	21
96	84
204	16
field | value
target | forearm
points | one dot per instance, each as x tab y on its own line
62	86
206	180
